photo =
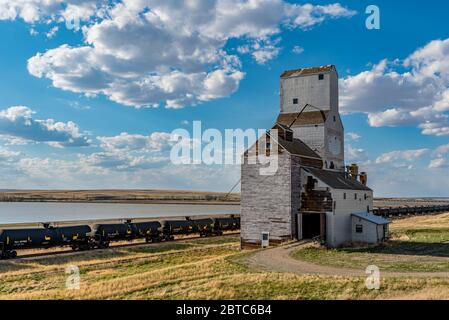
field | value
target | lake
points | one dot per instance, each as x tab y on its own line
34	212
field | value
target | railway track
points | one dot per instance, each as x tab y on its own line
68	252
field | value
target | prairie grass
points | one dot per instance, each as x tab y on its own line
191	269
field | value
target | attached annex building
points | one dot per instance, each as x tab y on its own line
312	194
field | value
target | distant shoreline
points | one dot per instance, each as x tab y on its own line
198	202
154	196
120	196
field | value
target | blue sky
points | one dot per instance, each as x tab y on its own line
93	107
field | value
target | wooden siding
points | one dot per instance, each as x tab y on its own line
268	203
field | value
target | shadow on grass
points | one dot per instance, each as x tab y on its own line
406	248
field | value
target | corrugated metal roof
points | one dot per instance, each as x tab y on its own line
305	118
337	179
371	217
304	71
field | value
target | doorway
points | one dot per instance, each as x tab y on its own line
311	225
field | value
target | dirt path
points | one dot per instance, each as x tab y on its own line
279	260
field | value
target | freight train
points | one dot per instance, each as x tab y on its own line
97	236
405	211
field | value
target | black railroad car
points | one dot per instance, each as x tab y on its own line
105	233
26	238
177	227
151	230
75	236
384	212
227	224
394	211
205	227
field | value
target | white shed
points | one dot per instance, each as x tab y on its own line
368	228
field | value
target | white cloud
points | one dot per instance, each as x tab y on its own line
354	154
442	150
308	15
297	50
7	155
33	11
390	117
352	136
417	96
435	128
52	32
17	124
157	141
438	163
408	155
121	57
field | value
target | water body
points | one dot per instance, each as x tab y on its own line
35	212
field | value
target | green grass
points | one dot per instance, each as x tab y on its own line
426	250
428	235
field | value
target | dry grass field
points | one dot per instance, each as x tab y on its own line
168	196
211	268
122	196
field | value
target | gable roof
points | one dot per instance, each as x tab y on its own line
337	179
297	147
371	218
305	118
305	71
282	126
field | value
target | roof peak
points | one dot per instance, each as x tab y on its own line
307	71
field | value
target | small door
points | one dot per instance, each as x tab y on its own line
265	237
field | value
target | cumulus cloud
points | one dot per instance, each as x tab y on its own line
149	53
416	95
438	163
442	150
408	155
33	11
354	154
308	15
157	141
7	155
128	152
297	50
17	124
353	136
